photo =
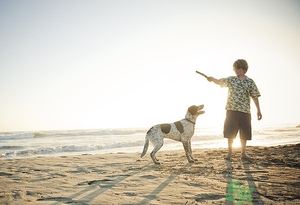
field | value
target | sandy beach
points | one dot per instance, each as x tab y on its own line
273	177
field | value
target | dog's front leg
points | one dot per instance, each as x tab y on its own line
190	150
187	152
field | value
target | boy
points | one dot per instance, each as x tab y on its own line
238	116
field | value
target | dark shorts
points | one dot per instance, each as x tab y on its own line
237	122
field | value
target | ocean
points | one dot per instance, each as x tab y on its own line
78	142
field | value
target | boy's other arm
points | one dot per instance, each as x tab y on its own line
256	102
212	79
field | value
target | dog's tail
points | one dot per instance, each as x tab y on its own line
146	145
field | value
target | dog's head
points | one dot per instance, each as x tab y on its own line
195	110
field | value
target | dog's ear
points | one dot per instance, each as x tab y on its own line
193	109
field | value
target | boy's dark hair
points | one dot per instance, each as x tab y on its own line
241	63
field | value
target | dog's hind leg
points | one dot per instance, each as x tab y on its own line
157	145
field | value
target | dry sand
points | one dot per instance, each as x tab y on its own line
272	178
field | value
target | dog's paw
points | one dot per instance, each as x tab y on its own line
191	161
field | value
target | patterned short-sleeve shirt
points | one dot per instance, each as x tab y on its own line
240	93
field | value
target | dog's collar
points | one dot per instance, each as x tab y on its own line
190	121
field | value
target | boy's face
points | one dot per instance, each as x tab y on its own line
239	71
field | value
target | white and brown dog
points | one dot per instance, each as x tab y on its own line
181	131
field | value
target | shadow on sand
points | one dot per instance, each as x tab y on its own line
163	185
242	190
100	186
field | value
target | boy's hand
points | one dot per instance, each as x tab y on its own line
259	115
210	79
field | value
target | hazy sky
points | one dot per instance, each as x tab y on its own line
131	63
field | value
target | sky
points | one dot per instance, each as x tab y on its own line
125	64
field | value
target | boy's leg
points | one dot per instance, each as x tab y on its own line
245	134
243	150
230	130
230	141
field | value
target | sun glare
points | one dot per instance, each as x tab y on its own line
236	142
141	71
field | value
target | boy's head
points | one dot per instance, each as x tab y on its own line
241	63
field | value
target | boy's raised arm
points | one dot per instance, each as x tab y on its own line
212	79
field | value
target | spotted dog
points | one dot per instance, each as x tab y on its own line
181	131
